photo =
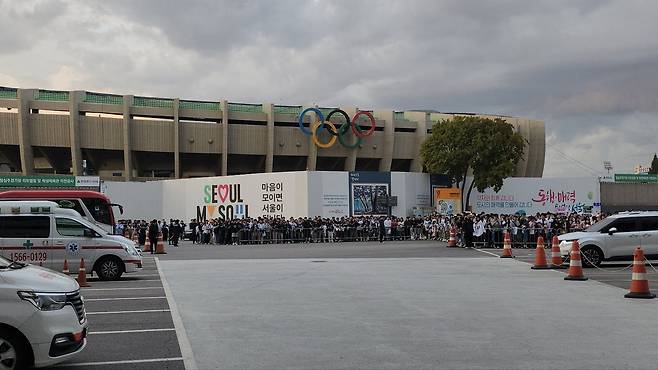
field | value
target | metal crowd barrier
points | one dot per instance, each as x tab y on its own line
339	234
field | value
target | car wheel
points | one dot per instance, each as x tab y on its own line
592	256
109	268
14	353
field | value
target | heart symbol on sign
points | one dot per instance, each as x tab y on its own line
222	191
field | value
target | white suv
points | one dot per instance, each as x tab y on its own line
615	238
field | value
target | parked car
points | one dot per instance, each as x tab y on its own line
42	316
615	238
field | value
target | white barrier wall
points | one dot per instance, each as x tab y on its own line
412	190
280	194
140	200
327	194
538	195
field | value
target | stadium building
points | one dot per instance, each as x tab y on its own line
126	137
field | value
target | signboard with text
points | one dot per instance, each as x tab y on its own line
538	195
636	178
49	181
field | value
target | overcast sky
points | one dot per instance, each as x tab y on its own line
589	69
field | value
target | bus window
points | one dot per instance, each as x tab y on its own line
99	209
71	204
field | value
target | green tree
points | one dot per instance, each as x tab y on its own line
490	149
654	165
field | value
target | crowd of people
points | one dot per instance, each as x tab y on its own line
482	230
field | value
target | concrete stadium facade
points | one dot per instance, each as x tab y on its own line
127	137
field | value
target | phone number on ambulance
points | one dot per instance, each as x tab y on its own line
31	256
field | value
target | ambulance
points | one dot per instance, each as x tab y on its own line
45	234
42	316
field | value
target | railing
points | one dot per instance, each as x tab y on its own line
140	101
279	235
97	98
204	105
288	109
51	95
8	93
242	107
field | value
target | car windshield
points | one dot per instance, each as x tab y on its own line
4	262
600	225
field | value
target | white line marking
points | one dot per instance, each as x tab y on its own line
79	364
181	334
120	312
487	252
121	299
140	288
130	331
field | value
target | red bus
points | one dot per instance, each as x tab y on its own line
92	205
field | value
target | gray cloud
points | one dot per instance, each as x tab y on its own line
588	68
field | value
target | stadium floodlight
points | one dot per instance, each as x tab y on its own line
607	165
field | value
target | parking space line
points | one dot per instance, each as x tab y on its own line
122	312
487	252
183	342
79	364
130	331
121	299
140	288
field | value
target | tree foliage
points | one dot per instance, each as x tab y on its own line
489	148
654	165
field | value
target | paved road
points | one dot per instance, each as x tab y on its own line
393	313
617	274
393	249
132	327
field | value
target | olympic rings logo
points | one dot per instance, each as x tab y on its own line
336	133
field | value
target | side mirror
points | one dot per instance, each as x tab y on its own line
612	230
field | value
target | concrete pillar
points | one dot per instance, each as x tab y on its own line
268	109
224	127
127	144
421	119
312	159
350	138
24	138
75	97
177	173
388	116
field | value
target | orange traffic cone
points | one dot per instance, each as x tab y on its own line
540	256
556	256
452	242
575	271
507	247
147	245
639	283
160	248
82	274
65	270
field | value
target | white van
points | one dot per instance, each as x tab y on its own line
43	233
42	316
615	238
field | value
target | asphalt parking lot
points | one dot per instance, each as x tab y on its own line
130	324
617	273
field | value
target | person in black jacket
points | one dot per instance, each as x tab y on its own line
382	229
153	235
468	231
